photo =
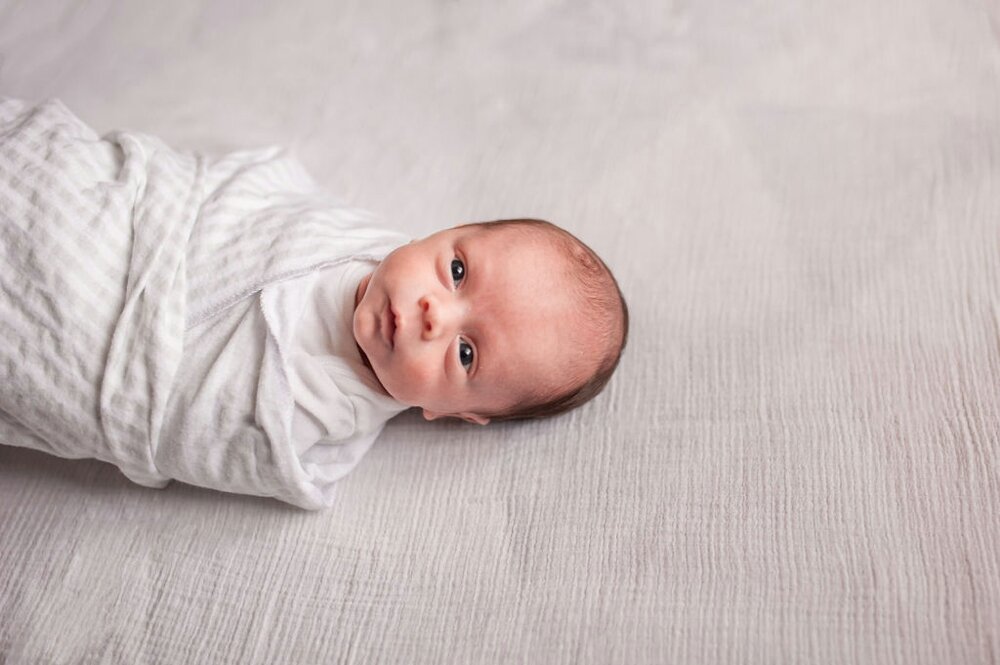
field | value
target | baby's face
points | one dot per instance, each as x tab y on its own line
469	321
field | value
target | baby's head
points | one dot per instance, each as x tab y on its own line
492	321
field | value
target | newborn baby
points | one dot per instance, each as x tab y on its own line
491	321
225	323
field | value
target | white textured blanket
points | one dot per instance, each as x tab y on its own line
112	247
798	460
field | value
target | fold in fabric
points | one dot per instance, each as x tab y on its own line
116	252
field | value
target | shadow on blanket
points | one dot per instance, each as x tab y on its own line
100	480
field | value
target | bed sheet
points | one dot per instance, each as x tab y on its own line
799	459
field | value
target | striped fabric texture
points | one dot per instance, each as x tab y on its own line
112	248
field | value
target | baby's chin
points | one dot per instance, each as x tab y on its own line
362	289
368	364
398	396
359	295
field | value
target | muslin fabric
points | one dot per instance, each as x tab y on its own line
137	329
798	460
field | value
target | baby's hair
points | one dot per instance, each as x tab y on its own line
599	290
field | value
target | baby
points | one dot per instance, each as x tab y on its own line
492	321
225	323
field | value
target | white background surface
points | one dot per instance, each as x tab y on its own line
799	460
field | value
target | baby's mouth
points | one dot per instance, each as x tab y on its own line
389	325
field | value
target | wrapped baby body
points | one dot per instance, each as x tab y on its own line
181	317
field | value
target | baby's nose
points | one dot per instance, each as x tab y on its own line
437	317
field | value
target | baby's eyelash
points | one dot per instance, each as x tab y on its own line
466	354
457	270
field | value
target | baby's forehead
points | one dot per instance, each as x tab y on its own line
540	376
549	345
546	248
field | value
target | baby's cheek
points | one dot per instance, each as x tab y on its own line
421	376
412	381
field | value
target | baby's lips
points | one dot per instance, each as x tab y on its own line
387	325
397	322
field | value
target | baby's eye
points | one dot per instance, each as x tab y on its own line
465	355
457	270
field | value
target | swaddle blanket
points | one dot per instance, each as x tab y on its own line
111	248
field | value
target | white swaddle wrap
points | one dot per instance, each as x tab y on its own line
113	249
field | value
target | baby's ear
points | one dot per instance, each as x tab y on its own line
473	418
468	417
